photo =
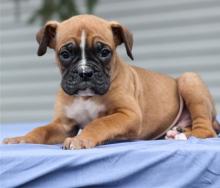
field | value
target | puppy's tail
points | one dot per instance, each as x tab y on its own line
216	126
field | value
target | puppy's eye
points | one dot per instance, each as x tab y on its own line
65	55
98	47
102	50
105	52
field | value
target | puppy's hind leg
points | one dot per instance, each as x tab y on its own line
199	103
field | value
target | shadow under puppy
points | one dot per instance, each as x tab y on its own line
111	100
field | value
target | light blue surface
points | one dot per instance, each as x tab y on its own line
149	164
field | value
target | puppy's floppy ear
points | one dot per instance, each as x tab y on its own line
122	35
46	37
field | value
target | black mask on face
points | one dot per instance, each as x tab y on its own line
93	74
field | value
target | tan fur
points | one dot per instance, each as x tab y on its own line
140	104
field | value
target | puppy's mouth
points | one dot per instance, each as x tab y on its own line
74	83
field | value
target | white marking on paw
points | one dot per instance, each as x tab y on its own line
170	135
180	136
84	111
173	134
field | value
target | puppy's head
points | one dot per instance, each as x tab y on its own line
85	48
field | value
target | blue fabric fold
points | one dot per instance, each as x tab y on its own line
162	164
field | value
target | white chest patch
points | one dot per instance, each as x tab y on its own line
83	111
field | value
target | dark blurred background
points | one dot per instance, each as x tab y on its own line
171	36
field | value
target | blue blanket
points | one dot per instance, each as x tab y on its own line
194	163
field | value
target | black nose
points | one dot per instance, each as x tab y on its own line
85	72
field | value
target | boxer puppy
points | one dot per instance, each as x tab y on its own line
111	100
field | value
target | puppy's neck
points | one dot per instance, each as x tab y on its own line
117	66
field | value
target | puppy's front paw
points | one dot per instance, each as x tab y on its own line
78	143
18	140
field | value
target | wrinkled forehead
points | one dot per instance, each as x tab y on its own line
89	32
